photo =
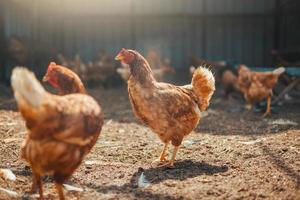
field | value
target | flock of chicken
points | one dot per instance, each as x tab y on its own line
103	68
255	86
63	128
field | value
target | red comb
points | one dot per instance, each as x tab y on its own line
51	65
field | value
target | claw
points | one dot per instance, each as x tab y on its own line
248	107
268	111
158	162
266	114
170	165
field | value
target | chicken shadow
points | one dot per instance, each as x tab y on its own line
183	170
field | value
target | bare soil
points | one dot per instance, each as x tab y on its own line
232	154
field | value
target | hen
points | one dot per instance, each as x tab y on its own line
257	86
172	112
63	79
229	82
61	129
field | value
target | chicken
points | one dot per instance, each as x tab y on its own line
172	112
61	130
63	79
229	82
257	86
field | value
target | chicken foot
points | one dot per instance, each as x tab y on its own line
249	106
268	110
171	162
162	158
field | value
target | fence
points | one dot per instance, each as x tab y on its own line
233	30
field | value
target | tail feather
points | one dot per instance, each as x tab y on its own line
203	82
279	70
192	70
27	87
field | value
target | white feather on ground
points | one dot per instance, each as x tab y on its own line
7	174
143	182
9	192
72	188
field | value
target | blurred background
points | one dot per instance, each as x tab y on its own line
258	33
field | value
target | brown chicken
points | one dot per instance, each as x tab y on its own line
172	112
63	79
229	82
257	86
61	129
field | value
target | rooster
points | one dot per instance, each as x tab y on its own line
257	86
172	112
63	79
61	130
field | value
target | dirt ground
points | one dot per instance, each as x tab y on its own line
231	155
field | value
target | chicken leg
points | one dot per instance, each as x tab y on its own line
268	110
171	162
162	158
37	183
249	106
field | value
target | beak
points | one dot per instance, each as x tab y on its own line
119	57
45	78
